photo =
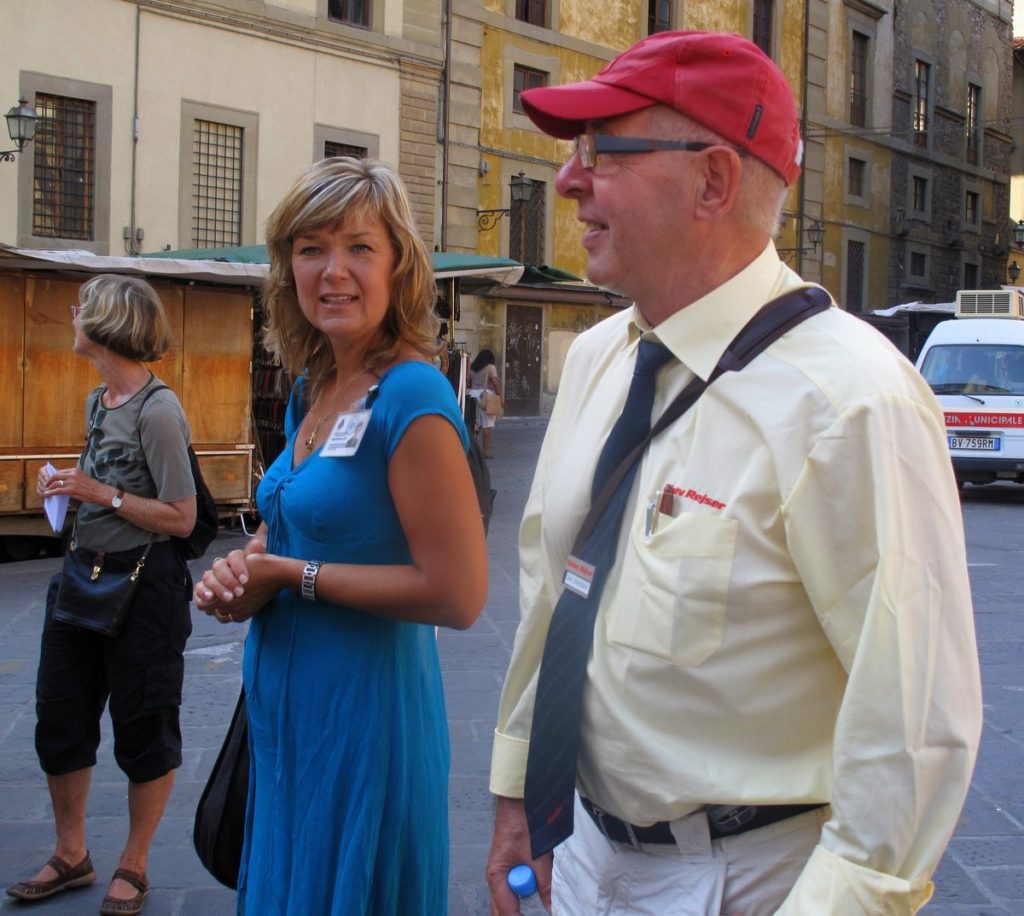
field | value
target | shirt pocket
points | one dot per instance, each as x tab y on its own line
674	588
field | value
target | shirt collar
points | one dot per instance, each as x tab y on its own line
698	334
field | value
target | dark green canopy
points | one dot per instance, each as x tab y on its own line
446	263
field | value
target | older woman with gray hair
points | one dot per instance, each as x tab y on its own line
134	492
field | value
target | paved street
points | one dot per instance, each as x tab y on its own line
982	874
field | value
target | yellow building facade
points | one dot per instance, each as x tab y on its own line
567	41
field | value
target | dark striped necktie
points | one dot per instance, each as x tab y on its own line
558	707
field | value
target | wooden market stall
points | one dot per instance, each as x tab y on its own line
232	395
44	384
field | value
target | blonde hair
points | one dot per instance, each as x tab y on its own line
125	315
332	191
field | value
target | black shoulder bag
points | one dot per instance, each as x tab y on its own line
97	587
219	828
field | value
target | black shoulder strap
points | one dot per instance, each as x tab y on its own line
768	325
150	394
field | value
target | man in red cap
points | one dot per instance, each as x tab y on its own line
777	691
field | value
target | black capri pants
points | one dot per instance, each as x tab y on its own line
141	672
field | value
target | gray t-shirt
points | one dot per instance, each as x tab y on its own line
145	455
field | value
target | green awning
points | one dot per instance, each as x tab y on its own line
446	263
239	254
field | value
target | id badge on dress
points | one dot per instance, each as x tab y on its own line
346	434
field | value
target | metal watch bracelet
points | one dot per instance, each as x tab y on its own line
309	574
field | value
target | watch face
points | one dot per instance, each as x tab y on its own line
118	499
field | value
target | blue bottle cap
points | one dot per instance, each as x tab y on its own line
522	881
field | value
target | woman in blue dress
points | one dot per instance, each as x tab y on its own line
371	538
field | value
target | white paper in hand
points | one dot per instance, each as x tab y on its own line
56	506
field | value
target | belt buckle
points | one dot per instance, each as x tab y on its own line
633	841
729	819
599	816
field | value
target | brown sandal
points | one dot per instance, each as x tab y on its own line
68	876
113	906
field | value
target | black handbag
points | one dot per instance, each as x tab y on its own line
97	587
219	828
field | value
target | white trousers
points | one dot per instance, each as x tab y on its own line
745	875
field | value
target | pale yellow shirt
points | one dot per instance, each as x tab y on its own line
800	630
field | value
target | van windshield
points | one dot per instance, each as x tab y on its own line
975	369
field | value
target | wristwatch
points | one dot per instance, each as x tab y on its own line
309	573
118	499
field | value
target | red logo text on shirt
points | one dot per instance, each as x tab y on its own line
702	498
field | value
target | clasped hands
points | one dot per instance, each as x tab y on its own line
235	587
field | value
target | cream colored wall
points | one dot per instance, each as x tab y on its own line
289	87
77	50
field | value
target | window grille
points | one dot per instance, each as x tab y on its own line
918	264
216	184
64	168
343	149
526	228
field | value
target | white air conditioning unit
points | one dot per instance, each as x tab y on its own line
987	303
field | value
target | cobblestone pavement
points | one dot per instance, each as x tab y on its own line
982	874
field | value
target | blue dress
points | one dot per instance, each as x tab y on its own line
348	791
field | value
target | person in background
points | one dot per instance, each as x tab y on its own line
484	377
781	701
351	570
133	482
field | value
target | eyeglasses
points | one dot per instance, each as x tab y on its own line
76	310
589	146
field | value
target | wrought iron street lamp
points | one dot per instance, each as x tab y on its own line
521	192
21	125
1018	233
815	235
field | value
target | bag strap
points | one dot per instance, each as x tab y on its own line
769	323
150	394
88	443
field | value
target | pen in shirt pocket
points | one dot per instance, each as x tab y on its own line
664	503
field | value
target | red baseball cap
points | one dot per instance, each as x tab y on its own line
721	81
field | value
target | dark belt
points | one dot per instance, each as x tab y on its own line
723	821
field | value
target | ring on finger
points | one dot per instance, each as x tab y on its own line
223	618
60	483
219	560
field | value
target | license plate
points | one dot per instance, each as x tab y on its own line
975	443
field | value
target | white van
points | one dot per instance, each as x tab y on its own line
975	365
